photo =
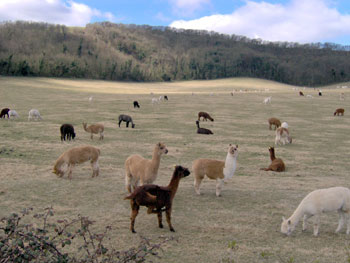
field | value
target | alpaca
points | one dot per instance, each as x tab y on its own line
267	100
5	112
95	129
301	93
67	132
317	202
274	121
156	198
136	104
139	169
75	156
154	101
319	93
13	114
91	98
204	115
277	165
165	97
339	111
34	114
342	96
215	169
282	136
127	119
203	130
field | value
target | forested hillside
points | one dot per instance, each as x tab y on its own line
144	53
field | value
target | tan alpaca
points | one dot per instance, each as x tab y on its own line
282	136
215	169
274	121
75	156
139	169
94	129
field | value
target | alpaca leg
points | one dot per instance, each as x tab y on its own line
91	137
160	224
95	168
127	124
341	221
306	217
347	218
219	183
128	178
197	183
120	121
134	211
316	224
270	126
70	167
101	136
168	218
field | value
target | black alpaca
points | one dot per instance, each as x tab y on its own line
136	104
166	97
5	112
319	93
203	130
67	132
127	119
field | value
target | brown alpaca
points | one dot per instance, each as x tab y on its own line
204	115
94	129
301	93
140	169
277	165
75	156
274	121
339	111
156	197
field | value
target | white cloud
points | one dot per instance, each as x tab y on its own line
52	11
187	7
298	21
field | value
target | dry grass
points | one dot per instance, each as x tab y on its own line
246	218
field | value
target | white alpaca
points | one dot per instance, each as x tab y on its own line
317	202
154	101
267	100
13	114
309	96
282	136
34	115
91	98
284	125
342	96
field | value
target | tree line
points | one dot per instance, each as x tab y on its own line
146	53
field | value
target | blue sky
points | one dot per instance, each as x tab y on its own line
302	21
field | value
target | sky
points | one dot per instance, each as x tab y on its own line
302	21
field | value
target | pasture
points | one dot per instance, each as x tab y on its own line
241	226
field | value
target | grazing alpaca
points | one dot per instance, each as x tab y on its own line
67	132
215	169
317	202
267	100
5	112
156	198
75	156
277	165
203	130
342	96
13	114
319	93
127	119
95	129
34	114
274	121
165	97
139	169
339	111
301	93
136	104
204	115
154	101
282	136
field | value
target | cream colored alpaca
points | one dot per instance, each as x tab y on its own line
215	169
75	156
317	202
94	129
139	169
282	136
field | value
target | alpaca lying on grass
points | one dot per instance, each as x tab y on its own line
203	130
75	156
139	169
277	165
317	202
95	129
156	198
274	121
216	170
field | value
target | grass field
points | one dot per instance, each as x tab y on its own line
241	226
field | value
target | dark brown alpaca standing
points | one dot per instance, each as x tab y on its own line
339	111
5	112
156	197
277	165
204	115
301	93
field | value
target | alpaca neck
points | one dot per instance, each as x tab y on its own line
272	155
297	215
155	160
85	128
230	166
197	125
173	185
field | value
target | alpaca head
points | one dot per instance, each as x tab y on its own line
84	124
287	227
272	151
133	125
181	171
73	135
161	147
233	150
